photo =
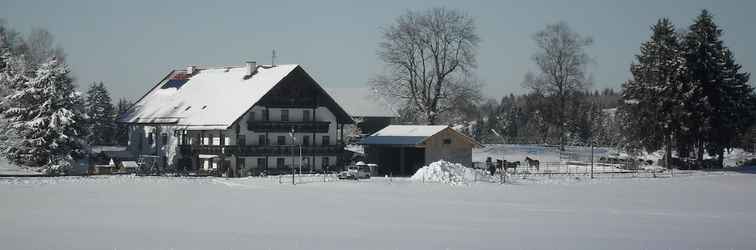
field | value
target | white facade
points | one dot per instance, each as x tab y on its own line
164	140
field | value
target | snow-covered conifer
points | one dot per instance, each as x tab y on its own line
720	97
47	112
101	115
652	98
121	129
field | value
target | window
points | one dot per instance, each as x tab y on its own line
261	140
261	163
447	141
281	140
150	139
326	140
325	162
280	163
265	115
216	141
241	140
305	115
206	140
284	115
252	115
306	140
164	139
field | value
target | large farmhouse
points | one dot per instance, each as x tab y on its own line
238	121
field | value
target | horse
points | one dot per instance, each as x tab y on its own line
532	163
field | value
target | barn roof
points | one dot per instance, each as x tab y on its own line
359	102
409	135
212	98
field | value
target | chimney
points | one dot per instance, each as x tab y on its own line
190	70
251	68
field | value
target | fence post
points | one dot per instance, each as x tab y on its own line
591	159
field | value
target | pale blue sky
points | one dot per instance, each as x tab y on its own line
132	44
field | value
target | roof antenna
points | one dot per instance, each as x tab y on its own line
273	58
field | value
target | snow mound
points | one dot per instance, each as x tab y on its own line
446	172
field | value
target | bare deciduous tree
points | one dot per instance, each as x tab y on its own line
40	47
561	61
429	57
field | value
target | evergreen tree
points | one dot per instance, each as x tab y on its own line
720	102
101	115
48	114
121	129
13	73
652	97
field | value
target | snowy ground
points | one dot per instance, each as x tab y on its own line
8	169
551	157
699	210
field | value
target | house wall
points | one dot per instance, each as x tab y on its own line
140	143
458	151
295	114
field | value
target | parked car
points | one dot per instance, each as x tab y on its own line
360	170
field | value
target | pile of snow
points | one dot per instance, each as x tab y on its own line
446	172
737	157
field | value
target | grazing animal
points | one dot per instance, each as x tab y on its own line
532	163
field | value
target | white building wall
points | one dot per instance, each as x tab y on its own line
295	115
140	144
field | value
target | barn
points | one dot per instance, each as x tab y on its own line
400	150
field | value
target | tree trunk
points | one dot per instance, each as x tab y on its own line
700	153
720	158
562	101
668	153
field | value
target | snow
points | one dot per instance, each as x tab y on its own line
707	211
737	157
516	152
9	169
403	134
446	172
189	103
410	130
100	148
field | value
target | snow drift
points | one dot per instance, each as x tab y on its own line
446	172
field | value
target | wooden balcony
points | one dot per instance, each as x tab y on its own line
299	127
285	150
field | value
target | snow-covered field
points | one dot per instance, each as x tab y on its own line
705	210
553	161
8	169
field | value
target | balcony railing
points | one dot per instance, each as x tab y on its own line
285	150
278	126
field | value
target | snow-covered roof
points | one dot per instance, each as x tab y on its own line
410	130
208	99
358	102
404	134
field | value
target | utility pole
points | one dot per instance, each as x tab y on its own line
591	157
292	156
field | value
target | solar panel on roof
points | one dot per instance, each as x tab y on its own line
175	83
